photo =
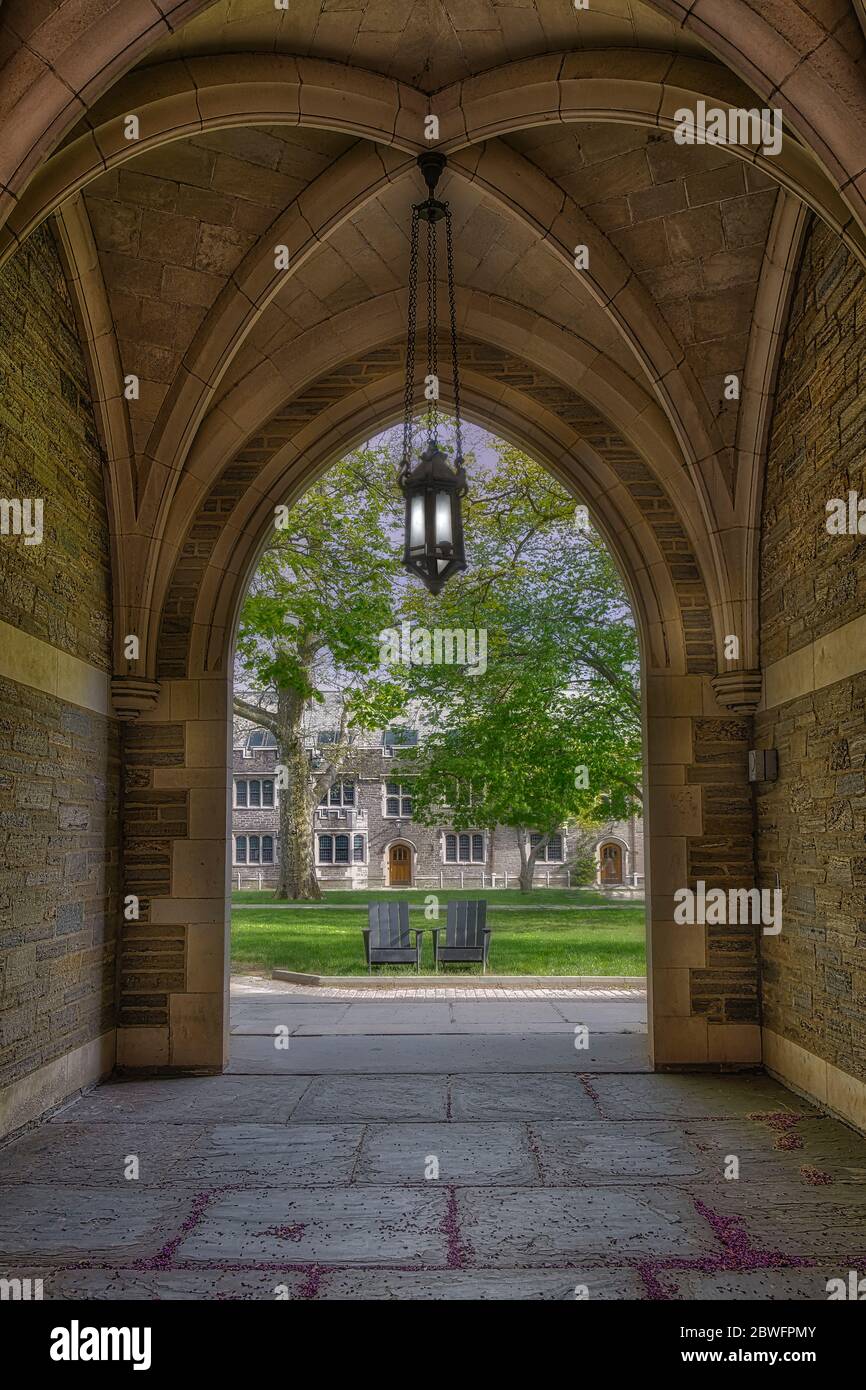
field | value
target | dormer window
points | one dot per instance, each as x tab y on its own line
398	738
258	740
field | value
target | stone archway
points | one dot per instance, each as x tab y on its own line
698	1003
607	383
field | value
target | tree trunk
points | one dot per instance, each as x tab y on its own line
527	862
298	789
297	874
529	858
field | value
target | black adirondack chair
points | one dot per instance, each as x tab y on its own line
386	937
467	937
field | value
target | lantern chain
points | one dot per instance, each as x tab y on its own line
410	344
452	310
432	333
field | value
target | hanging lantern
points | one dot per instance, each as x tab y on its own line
433	488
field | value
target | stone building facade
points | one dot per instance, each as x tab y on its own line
365	834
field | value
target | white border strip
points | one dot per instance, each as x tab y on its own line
29	1097
838	1091
831	658
30	661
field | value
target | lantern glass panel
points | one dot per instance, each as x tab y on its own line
444	534
416	523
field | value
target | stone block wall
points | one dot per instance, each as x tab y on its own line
726	991
59	754
58	883
173	999
812	821
704	1006
59	591
152	960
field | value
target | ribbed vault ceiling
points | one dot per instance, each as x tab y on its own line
428	43
171	245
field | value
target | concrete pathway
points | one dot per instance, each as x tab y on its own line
387	1149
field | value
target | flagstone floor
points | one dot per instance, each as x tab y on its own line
435	1149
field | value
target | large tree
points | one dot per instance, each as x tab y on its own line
310	624
550	733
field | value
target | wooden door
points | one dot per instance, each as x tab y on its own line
611	863
400	865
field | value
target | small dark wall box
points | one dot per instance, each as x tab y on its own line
763	764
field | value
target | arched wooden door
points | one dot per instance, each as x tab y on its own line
399	865
611	863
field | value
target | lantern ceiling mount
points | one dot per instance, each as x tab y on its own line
433	488
431	163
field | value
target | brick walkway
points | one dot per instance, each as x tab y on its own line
249	984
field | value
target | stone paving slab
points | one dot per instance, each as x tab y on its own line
59	1222
467	1030
794	1219
810	1150
272	1155
207	1282
370	1225
423	1015
375	1098
656	1096
370	1014
762	1285
202	1099
192	1154
602	1283
436	1054
600	1152
339	1030
599	1014
464	1153
261	1018
498	1016
447	1018
526	1225
521	1097
118	1284
484	1285
383	1019
89	1155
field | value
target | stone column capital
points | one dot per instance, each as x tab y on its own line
131	696
739	691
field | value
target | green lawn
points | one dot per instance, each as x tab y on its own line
538	942
576	896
